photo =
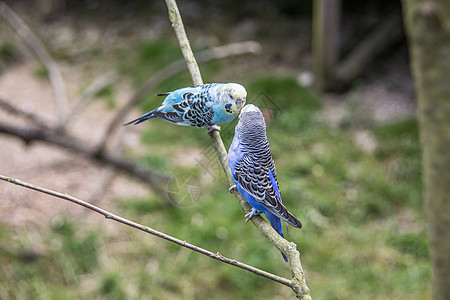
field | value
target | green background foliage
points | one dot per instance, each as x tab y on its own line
364	228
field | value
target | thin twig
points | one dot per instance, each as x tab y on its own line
288	248
101	82
185	45
108	172
62	139
5	105
108	215
157	181
224	51
38	48
247	47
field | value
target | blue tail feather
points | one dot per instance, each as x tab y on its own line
144	117
275	222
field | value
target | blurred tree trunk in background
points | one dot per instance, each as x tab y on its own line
428	27
335	73
326	21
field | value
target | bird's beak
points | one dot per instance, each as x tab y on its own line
240	101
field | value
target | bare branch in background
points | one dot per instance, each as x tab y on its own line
156	180
56	79
108	215
288	248
108	173
99	83
6	106
247	47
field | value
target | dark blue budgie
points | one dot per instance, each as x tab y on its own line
254	171
201	106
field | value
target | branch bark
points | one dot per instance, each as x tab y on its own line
288	248
185	45
108	215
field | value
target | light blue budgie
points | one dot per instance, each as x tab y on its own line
253	170
201	106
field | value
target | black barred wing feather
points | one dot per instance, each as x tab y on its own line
171	116
194	111
251	177
254	178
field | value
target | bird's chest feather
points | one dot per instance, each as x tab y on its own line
234	154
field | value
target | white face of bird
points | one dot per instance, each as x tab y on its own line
238	96
251	114
250	108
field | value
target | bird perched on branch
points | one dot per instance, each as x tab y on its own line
253	170
201	106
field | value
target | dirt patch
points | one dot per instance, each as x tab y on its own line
49	166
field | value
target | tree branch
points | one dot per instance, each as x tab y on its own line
108	215
6	106
155	180
178	27
288	248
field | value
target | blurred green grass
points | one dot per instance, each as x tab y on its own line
364	226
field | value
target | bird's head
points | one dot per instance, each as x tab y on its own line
251	119
237	96
250	108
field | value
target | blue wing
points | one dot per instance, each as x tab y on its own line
186	106
259	181
236	158
178	96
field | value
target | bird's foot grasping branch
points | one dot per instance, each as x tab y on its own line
251	214
212	128
232	188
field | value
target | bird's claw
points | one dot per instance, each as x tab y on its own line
251	214
212	128
232	188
